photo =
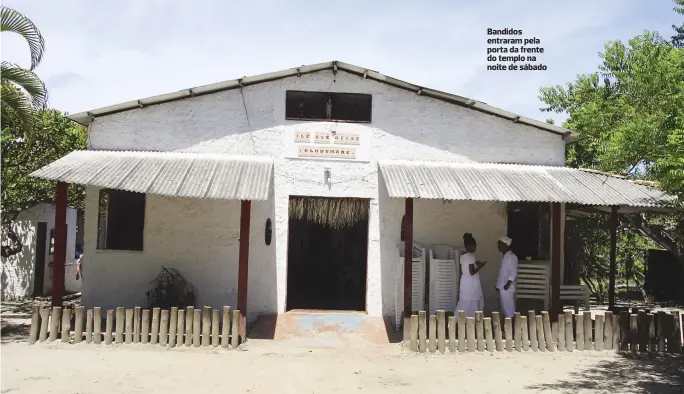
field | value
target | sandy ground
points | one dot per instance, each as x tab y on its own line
268	367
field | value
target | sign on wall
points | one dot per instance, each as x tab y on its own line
330	145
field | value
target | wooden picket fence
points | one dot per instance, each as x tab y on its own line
638	332
174	327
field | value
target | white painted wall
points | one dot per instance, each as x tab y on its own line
404	126
18	271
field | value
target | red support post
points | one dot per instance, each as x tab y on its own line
243	264
59	256
408	258
613	252
556	251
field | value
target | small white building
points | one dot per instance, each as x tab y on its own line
171	171
29	272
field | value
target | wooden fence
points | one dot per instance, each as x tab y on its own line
639	331
174	327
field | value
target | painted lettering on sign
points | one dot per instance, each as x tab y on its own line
317	151
303	136
347	139
322	138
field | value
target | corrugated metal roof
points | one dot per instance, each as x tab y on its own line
84	118
193	175
512	182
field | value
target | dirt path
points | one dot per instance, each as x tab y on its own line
266	367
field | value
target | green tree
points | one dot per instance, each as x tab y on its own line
53	136
678	38
22	91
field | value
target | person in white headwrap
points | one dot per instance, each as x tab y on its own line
470	299
505	283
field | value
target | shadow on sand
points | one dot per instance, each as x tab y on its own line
627	374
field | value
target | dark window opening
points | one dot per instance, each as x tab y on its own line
346	107
122	220
529	225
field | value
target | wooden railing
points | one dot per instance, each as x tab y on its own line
637	332
167	327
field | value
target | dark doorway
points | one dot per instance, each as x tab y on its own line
39	264
327	264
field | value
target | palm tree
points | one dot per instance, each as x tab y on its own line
22	91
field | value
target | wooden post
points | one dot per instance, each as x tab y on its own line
669	329
598	333
243	268
624	330
642	331
119	321
489	338
422	332
531	320
496	325
432	327
479	331
408	257
579	327
78	324
154	329
197	328
676	337
180	328
539	322
164	327
588	331
145	332
569	337
616	331
235	340
206	326
109	325
129	325
556	253
508	329
524	331
612	272
97	325
55	318
215	327
633	332
517	334
561	332
452	332
441	331
470	333
59	256
548	332
225	327
66	324
173	326
660	333
189	320
35	324
413	333
652	343
44	324
136	324
461	331
608	331
89	326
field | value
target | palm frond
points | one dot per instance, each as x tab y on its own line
16	22
26	80
17	108
330	212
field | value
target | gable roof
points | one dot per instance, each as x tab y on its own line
85	117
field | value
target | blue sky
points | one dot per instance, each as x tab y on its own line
103	52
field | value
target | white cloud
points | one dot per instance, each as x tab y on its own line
105	52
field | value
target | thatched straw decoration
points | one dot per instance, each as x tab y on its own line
331	212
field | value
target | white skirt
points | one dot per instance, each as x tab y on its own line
470	307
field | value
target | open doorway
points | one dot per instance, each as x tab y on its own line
327	253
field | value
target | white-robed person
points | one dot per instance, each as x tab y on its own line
470	297
505	283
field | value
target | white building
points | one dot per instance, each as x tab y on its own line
330	130
29	272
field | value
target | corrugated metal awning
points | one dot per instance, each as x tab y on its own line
195	175
512	182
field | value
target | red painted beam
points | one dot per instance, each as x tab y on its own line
613	252
59	256
556	251
408	256
243	264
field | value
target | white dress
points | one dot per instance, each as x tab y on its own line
470	297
